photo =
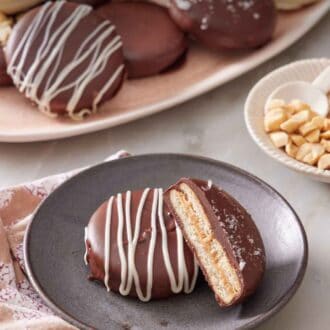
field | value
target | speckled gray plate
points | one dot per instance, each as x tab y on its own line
54	248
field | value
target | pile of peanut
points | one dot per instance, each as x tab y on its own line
297	129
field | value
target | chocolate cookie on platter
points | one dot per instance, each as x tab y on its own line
65	58
226	24
222	235
5	80
135	248
152	42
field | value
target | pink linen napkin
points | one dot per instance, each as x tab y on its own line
20	305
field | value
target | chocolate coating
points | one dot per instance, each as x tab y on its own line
95	247
5	80
152	42
226	24
93	3
234	228
65	72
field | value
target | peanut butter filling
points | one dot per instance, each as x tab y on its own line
222	276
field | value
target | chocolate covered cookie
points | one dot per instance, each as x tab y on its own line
222	235
226	24
135	248
65	58
152	42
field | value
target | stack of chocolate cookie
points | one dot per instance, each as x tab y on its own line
68	57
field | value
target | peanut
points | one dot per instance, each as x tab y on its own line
273	119
313	136
310	153
291	125
298	140
291	149
324	162
279	139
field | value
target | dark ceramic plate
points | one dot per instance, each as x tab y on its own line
54	248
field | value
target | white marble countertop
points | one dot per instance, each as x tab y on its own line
213	126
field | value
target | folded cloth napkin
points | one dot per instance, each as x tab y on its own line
20	305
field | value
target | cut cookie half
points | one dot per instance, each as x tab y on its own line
222	235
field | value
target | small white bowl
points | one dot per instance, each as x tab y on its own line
306	70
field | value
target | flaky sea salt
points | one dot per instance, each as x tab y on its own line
183	4
242	265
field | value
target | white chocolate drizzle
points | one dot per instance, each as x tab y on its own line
85	255
50	54
129	273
